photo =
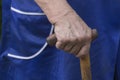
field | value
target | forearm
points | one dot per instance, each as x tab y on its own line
54	9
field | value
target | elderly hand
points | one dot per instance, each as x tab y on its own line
73	35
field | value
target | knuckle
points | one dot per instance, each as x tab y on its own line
69	40
66	40
89	35
73	40
80	39
59	45
84	38
63	41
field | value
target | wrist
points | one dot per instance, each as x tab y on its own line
55	9
61	16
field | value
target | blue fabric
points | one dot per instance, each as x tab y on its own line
5	23
117	69
24	35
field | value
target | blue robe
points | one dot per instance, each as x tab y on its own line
25	55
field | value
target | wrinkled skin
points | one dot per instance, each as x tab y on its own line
73	35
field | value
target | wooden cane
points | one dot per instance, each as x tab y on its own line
84	61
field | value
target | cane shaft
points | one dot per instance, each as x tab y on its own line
85	67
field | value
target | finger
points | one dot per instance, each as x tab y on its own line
60	45
75	49
83	51
68	47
